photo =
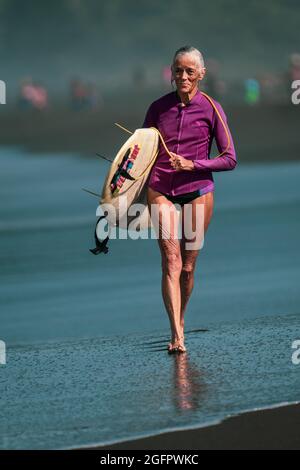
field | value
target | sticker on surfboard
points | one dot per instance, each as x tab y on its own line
125	183
123	172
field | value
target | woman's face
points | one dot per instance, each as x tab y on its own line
187	72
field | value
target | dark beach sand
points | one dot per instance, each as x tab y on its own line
276	428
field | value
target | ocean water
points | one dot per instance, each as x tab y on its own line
86	335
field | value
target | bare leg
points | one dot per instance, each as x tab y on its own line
171	269
189	256
169	245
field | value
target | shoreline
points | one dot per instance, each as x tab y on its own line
257	131
189	391
274	428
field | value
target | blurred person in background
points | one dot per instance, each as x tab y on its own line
39	97
294	67
78	92
293	72
166	75
93	99
213	85
252	91
26	94
33	95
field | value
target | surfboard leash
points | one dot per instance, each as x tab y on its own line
163	141
101	245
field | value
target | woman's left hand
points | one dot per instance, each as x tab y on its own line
180	163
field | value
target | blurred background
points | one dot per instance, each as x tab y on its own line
72	67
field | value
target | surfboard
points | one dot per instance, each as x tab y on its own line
125	185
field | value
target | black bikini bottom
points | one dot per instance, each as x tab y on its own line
183	198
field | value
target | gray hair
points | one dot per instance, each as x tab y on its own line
189	50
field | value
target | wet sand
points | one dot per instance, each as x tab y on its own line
271	429
116	391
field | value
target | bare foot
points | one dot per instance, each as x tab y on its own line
170	345
177	345
174	340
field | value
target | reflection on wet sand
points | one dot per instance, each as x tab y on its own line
189	385
187	380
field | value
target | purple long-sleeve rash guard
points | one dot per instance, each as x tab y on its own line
188	131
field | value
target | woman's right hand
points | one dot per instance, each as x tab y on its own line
180	163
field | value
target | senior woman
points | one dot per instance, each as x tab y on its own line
188	121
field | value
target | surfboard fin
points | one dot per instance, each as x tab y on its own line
91	192
104	158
